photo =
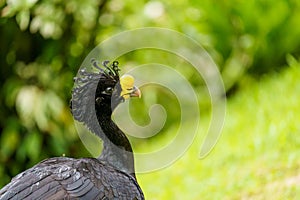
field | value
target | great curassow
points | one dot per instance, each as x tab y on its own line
112	175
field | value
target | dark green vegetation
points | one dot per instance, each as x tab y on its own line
43	44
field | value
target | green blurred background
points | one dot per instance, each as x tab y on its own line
256	45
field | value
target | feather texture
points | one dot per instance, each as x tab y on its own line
68	178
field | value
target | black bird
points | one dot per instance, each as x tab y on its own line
111	176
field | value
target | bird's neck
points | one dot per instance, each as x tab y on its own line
117	150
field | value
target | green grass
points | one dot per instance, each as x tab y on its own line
257	156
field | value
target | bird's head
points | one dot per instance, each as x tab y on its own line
100	91
112	90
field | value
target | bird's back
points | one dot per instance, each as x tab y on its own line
68	178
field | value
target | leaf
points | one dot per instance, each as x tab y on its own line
33	143
23	18
9	140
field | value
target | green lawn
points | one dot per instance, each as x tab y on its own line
257	156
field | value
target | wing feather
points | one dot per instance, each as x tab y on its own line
67	178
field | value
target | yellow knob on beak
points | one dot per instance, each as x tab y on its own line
128	88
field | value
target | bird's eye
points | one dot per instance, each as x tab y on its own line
108	90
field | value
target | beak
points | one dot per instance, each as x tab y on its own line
136	92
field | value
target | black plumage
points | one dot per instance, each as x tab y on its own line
111	176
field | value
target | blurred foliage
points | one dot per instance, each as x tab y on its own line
44	42
257	156
42	46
